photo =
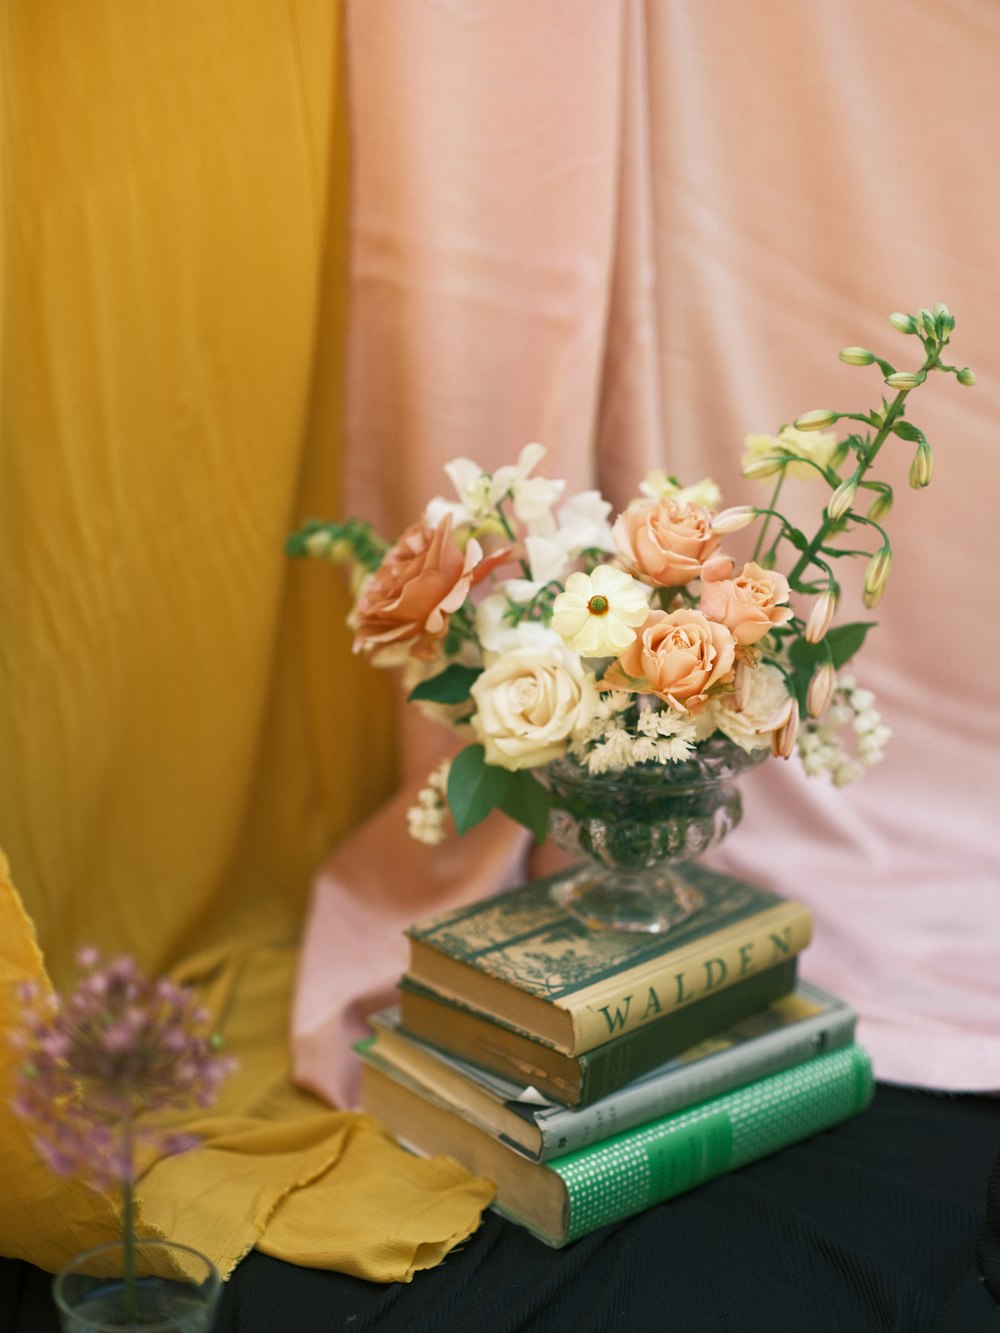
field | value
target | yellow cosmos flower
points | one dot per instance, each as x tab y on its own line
598	613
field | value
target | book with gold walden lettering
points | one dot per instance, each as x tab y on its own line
522	960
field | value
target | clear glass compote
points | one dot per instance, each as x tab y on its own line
638	827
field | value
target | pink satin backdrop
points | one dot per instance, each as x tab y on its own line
636	232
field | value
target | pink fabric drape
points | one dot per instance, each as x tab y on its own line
636	232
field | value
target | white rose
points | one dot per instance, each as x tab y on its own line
768	692
529	702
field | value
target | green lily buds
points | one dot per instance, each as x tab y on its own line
758	469
945	319
880	506
966	376
842	499
903	323
816	420
857	356
922	467
877	576
904	379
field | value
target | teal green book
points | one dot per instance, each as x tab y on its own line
522	959
566	1198
580	1080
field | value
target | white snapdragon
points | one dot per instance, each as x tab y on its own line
480	493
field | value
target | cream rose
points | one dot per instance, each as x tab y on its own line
529	701
667	544
749	605
766	704
679	656
406	604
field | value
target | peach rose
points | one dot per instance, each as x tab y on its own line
678	656
409	599
667	544
749	605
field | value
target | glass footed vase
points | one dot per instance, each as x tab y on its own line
638	827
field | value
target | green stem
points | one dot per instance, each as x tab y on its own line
767	521
894	412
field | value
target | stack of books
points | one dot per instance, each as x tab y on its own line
591	1074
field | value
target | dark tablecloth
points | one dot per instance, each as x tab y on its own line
890	1221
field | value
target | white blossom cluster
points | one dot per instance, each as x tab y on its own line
606	744
427	819
820	744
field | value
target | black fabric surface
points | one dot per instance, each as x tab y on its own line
889	1222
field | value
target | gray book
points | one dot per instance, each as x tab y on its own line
789	1031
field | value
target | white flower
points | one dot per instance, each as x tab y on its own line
612	754
768	694
426	819
657	484
499	634
582	524
598	613
547	563
481	492
529	702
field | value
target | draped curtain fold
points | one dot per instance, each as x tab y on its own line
637	232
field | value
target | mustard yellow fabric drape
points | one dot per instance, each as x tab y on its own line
183	731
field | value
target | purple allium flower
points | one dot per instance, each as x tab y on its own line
97	1064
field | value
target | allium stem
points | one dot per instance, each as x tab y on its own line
131	1302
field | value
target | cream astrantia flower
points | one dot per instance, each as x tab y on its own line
598	613
818	447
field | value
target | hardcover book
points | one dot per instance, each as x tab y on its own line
579	1080
567	1197
788	1031
522	959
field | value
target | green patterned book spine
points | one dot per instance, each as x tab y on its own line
666	1157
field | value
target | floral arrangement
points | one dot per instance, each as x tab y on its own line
541	626
99	1065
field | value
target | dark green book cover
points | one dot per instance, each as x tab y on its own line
582	1079
522	958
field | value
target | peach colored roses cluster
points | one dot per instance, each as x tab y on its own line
684	655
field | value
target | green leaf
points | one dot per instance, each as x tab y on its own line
798	538
450	686
475	787
907	431
527	802
844	641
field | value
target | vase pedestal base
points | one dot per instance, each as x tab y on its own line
652	902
